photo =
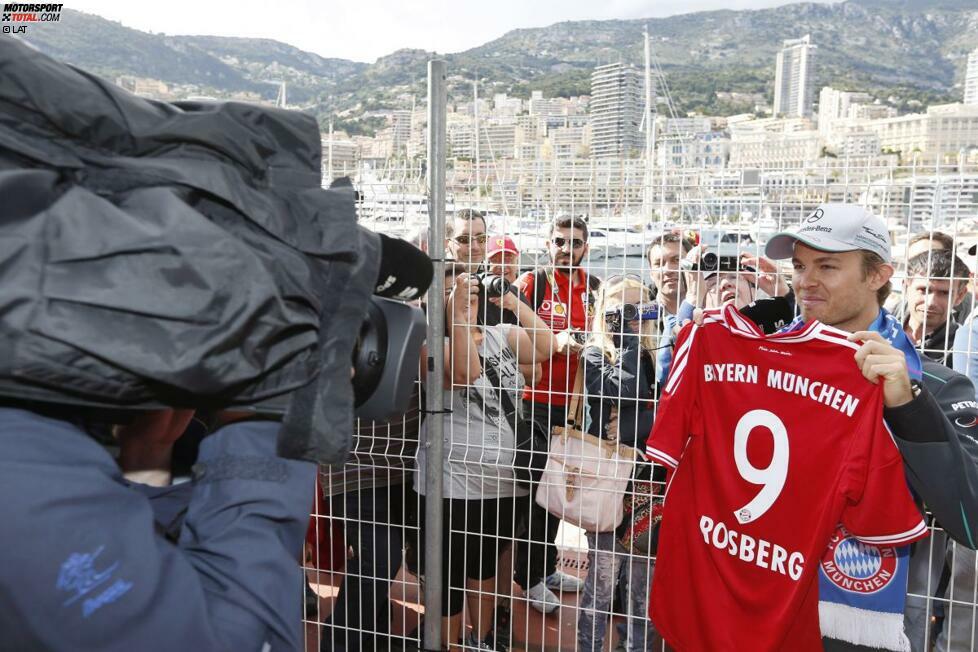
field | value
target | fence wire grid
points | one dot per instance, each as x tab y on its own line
518	576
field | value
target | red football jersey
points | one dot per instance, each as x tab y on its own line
775	440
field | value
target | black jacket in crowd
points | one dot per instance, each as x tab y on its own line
939	345
626	384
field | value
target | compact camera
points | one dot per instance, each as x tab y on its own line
631	312
725	258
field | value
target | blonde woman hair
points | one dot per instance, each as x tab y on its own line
609	298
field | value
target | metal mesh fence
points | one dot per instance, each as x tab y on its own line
522	577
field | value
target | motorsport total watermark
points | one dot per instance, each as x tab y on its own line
17	16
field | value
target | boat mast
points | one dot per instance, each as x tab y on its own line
475	131
648	193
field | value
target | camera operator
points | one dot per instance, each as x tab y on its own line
210	272
146	446
88	550
715	277
467	244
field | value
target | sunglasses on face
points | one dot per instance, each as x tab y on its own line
468	239
562	242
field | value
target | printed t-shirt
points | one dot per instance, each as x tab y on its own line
479	444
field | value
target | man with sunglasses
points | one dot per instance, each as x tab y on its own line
466	240
562	295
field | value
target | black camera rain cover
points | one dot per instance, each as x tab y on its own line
173	253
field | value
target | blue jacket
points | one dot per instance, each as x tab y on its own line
84	563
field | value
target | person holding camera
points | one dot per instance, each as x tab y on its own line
471	249
483	382
465	240
716	278
562	295
619	377
724	274
210	564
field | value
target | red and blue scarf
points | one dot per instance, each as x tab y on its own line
862	588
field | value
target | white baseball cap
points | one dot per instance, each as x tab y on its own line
834	227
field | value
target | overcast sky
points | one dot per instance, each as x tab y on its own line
363	30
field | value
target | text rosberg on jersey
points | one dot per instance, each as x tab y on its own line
752	551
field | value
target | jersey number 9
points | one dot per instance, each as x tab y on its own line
771	477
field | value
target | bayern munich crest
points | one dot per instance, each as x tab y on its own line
858	567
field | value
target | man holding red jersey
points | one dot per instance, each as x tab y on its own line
840	256
841	278
561	295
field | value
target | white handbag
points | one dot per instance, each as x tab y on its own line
585	478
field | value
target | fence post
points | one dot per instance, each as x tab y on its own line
437	103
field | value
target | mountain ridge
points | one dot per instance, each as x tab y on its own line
912	50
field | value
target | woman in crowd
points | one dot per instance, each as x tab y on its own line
480	489
619	375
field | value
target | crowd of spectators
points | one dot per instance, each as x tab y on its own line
491	518
515	355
